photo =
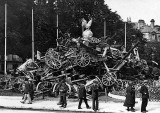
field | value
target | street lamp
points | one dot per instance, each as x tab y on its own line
5	54
125	40
56	4
32	35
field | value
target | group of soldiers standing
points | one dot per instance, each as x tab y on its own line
82	95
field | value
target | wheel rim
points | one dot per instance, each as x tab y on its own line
54	63
83	59
108	79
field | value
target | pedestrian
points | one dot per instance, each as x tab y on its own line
63	77
26	93
82	96
94	90
31	88
145	96
63	93
130	97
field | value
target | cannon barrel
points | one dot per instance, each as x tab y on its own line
122	61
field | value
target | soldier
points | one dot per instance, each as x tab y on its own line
82	96
63	93
130	97
94	90
26	92
145	96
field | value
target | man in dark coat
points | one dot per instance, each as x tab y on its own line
63	93
145	96
26	92
82	96
130	97
94	90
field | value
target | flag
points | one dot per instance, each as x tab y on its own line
38	55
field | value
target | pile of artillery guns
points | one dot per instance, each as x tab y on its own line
77	60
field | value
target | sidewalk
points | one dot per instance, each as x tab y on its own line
13	102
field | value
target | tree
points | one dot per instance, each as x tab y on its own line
70	13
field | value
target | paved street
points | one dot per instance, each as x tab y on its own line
26	111
13	102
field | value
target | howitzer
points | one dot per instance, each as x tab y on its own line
123	61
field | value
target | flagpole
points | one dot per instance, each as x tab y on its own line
32	36
5	54
56	4
125	45
57	25
104	27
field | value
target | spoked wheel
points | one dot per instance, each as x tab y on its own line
83	59
56	86
108	79
51	53
43	86
118	85
54	63
52	59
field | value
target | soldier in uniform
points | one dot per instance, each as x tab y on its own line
94	90
26	93
63	93
145	96
82	96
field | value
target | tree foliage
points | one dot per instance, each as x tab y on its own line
70	13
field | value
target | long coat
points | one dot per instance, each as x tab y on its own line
130	97
144	92
63	89
82	91
94	90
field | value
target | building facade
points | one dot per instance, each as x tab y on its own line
150	32
13	61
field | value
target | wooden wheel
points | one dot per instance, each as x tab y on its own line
83	59
42	86
54	63
56	86
51	53
52	59
108	79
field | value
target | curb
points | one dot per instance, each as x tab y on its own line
49	110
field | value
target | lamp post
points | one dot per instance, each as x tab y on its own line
125	40
32	35
104	27
56	4
5	54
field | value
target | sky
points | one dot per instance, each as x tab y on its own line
136	9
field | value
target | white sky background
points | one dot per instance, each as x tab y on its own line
136	9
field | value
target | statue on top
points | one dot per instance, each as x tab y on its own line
87	34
